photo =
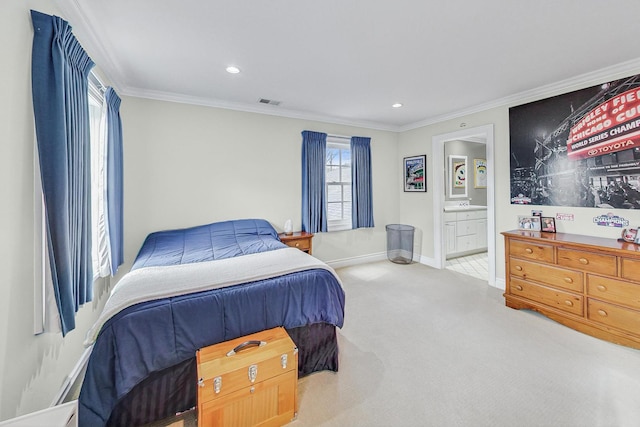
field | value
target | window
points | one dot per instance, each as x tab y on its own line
97	130
338	184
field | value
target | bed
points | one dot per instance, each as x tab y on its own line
195	287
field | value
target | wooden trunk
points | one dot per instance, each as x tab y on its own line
248	381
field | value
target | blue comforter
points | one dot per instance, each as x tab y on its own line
156	335
207	242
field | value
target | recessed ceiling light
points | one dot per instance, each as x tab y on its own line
233	70
397	105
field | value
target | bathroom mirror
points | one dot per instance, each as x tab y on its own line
457	176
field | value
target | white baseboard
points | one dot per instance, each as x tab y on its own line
72	377
380	256
431	262
500	283
65	415
362	259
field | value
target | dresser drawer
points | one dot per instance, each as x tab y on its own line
613	290
522	249
630	268
555	276
589	261
551	297
302	244
614	315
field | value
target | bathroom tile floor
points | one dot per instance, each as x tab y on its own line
476	265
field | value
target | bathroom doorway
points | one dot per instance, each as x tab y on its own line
453	194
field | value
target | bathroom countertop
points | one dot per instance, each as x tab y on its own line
464	208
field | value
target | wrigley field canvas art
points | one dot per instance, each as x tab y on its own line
578	149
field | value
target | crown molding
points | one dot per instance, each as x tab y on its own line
582	81
579	82
109	67
258	108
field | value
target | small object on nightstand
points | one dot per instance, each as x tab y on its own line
288	228
299	239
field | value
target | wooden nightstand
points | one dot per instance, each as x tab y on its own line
299	239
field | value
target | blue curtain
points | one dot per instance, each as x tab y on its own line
114	180
314	207
361	191
59	72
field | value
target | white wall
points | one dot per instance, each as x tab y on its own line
187	165
184	165
417	209
32	368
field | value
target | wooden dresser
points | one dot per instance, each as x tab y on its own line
590	284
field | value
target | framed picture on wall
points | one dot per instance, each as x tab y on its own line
415	173
479	173
459	174
546	173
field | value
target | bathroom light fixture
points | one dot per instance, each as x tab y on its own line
233	70
397	105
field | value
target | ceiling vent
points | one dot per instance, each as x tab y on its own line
268	101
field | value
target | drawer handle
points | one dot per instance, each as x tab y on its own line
568	303
518	287
518	267
568	279
529	250
601	288
602	313
583	261
297	245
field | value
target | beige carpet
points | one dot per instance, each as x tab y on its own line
427	347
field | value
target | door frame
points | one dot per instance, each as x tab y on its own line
485	132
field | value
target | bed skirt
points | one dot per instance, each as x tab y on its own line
173	390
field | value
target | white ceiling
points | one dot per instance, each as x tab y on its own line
347	61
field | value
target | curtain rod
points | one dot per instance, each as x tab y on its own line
338	136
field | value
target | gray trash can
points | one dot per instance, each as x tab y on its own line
400	243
